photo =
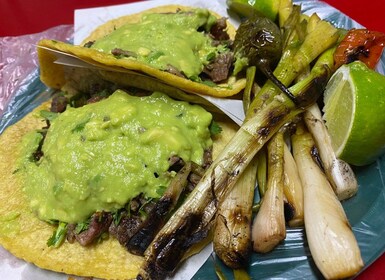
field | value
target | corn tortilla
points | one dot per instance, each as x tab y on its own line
25	236
53	74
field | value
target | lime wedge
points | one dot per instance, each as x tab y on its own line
268	8
354	113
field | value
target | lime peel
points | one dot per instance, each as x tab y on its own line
268	8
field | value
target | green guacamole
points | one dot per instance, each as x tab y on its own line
161	40
99	156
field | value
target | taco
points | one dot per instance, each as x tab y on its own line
49	222
185	47
39	178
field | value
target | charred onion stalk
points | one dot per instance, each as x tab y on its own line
249	91
292	29
331	240
293	188
261	158
147	230
339	173
241	274
232	235
285	9
259	40
269	224
232	226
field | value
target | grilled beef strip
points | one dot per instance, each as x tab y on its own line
218	30
99	224
125	229
219	69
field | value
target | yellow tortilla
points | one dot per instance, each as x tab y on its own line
53	74
25	236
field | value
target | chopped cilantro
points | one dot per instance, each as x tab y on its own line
80	126
160	190
155	55
215	128
117	216
142	211
195	78
211	56
208	83
49	116
58	236
80	227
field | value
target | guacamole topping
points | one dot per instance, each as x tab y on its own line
99	156
164	40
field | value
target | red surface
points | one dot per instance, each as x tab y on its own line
19	17
368	13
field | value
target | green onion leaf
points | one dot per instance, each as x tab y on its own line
241	274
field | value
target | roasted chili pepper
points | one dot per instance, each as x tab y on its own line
259	40
360	44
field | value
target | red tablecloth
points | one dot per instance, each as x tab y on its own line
20	17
